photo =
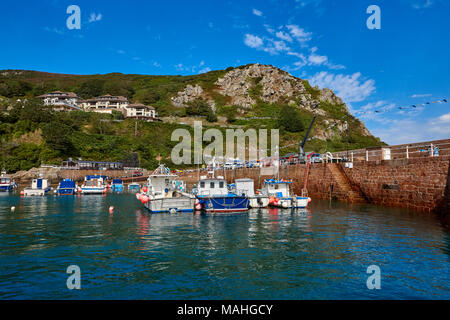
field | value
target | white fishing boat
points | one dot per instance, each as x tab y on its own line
279	194
246	186
6	183
94	184
165	193
39	187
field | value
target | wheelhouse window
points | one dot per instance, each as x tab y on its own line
211	185
202	184
221	184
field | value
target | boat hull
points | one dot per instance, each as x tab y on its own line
224	203
85	190
117	187
6	188
291	202
35	192
171	204
66	191
258	201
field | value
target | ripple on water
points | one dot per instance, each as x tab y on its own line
319	253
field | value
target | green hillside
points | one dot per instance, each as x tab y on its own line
31	134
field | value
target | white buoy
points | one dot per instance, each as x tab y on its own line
111	209
172	210
13	209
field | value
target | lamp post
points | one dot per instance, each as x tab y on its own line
347	136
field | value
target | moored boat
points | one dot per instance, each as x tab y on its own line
66	187
165	193
134	186
39	187
6	184
117	185
93	184
280	195
214	196
246	186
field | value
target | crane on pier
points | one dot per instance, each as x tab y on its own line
301	153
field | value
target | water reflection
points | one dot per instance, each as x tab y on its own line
321	252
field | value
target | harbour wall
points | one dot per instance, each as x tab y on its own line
421	184
57	174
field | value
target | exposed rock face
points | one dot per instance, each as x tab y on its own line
275	83
190	93
272	85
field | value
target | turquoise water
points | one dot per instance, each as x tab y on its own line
320	253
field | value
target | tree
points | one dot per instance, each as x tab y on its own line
211	116
117	115
290	119
198	107
151	96
91	88
57	136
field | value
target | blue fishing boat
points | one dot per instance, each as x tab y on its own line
134	186
66	187
213	196
6	184
117	185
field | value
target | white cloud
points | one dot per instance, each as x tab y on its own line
265	44
120	52
421	4
405	130
351	88
54	30
284	36
421	95
253	41
256	12
269	29
95	17
204	70
314	59
299	33
445	118
179	67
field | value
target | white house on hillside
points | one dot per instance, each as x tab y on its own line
141	111
106	104
61	101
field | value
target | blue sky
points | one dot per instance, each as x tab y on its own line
327	42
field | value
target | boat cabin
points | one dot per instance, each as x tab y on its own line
277	188
39	184
245	186
212	187
94	181
5	180
160	183
117	181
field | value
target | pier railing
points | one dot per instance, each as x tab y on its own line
428	149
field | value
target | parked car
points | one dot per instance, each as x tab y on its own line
137	174
316	157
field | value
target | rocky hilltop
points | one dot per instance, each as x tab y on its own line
271	85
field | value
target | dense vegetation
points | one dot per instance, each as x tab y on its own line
31	134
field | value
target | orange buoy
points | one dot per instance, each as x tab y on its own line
145	199
144	189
